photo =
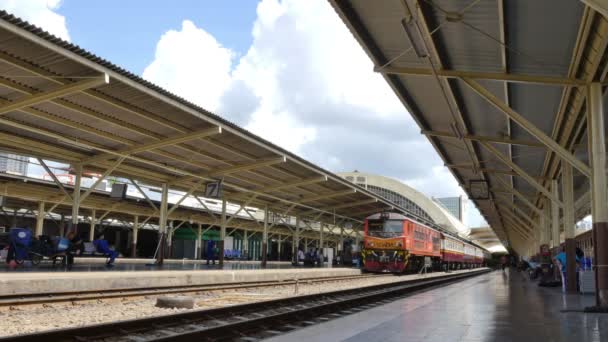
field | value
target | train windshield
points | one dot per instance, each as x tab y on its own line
388	228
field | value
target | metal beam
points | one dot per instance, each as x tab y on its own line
248	166
241	207
183	198
61	91
100	179
325	196
521	172
488	170
498	140
600	6
143	194
490	76
55	179
293	184
529	127
520	196
158	144
516	222
346	205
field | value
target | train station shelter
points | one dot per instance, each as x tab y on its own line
62	104
511	94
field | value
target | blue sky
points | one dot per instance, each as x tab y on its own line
126	32
299	79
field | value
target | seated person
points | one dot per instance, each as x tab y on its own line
104	247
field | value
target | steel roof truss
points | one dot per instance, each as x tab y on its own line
520	172
159	144
529	127
61	91
490	76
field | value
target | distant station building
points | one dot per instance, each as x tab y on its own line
13	164
403	195
456	205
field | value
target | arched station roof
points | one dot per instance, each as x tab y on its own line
407	197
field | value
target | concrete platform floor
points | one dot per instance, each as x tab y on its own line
128	264
490	307
12	283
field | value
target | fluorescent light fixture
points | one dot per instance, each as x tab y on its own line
414	35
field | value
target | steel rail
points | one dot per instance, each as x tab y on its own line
268	318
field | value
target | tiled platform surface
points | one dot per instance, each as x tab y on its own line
53	282
493	307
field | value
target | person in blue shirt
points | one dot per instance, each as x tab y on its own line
211	251
561	257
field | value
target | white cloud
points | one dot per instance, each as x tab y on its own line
40	13
192	64
306	85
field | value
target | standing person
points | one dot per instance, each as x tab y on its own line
320	257
210	251
503	261
301	257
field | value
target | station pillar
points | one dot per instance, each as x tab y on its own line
199	241
265	238
296	241
134	239
279	240
220	243
62	226
554	216
546	223
597	150
40	219
162	224
93	223
170	240
570	243
76	197
321	235
246	244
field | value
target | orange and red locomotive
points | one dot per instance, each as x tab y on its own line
396	243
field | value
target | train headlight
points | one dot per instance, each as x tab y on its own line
371	244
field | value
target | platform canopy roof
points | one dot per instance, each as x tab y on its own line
498	88
61	103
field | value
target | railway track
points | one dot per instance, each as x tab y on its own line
247	322
48	298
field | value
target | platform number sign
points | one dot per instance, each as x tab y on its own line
214	189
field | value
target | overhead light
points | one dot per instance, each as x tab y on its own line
415	36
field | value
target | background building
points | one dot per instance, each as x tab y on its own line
12	163
455	205
427	208
405	196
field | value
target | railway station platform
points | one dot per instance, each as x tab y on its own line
136	264
493	307
138	275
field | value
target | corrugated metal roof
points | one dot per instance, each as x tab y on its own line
129	111
527	39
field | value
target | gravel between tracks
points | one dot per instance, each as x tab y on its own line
33	318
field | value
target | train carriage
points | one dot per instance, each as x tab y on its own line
452	252
395	243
